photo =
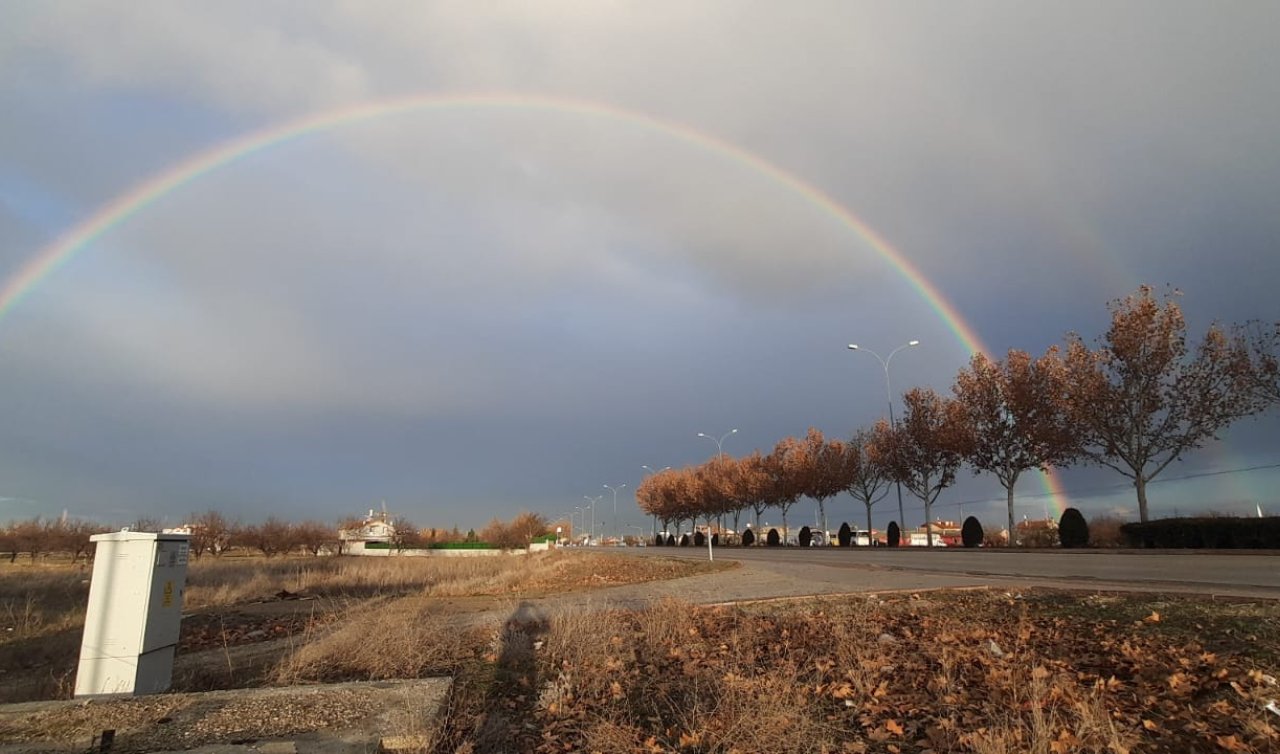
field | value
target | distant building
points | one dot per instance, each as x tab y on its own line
375	528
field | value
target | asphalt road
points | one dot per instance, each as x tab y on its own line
867	569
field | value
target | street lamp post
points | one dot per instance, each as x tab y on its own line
719	456
594	501
616	530
888	391
720	442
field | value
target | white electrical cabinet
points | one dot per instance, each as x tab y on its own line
135	613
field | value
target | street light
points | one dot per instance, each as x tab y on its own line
889	394
720	456
615	506
719	443
594	501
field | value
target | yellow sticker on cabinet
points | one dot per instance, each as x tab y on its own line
168	594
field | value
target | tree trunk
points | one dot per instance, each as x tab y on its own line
928	514
785	532
822	512
1012	539
869	540
1140	484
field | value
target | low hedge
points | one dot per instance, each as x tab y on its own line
1219	533
433	546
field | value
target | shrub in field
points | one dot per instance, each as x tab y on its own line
845	535
773	540
971	532
699	539
748	538
1073	530
806	536
894	534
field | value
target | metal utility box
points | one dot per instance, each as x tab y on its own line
135	613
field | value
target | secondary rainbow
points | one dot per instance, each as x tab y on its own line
53	256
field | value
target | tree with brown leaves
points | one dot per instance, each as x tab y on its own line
785	469
753	482
927	447
1016	415
1142	399
866	470
821	469
1261	346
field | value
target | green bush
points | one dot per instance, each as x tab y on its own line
845	535
772	539
1073	530
805	537
462	546
894	534
971	532
1207	532
748	538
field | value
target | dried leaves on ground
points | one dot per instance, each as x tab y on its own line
971	671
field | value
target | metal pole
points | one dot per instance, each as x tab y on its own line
616	528
893	423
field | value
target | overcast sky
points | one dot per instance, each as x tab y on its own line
469	311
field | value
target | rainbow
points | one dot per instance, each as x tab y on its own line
119	210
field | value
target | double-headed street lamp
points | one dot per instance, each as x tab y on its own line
615	506
889	394
720	442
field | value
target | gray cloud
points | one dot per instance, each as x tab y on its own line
382	309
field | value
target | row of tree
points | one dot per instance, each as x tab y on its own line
213	533
1135	402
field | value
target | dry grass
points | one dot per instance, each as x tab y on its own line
42	608
379	639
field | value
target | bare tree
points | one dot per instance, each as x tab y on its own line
210	532
271	537
927	447
405	534
146	523
866	470
314	536
1141	399
1016	414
